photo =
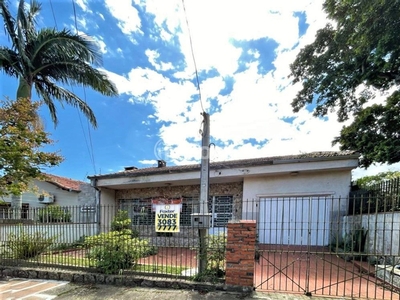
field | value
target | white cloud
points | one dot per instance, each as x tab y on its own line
82	4
100	42
150	162
153	56
127	15
101	16
257	106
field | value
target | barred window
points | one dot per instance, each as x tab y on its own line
139	210
190	205
221	208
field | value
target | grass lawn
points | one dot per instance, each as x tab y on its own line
63	259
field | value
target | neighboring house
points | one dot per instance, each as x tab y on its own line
239	189
76	196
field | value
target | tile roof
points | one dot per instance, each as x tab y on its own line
64	183
304	157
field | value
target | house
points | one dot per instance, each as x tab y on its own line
76	196
285	194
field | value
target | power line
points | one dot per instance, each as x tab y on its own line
54	16
193	57
89	145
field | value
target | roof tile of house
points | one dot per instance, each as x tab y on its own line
64	183
304	157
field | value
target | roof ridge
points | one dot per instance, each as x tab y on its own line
311	155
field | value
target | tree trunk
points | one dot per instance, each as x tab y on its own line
24	91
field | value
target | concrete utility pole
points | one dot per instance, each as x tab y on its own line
204	191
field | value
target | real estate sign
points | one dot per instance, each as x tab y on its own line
167	215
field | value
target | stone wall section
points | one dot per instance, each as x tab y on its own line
217	189
188	236
130	280
240	251
87	196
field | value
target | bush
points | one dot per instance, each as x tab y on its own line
216	250
115	250
122	221
54	214
118	249
24	245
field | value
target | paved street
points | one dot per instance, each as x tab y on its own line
28	289
16	289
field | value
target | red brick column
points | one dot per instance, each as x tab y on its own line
240	250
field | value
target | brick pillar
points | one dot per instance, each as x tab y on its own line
240	250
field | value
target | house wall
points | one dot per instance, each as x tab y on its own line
107	208
62	197
187	236
219	189
234	188
70	200
335	183
331	184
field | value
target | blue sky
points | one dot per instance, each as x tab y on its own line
242	49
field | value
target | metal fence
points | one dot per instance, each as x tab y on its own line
382	197
108	239
312	245
308	244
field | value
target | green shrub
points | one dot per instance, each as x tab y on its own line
25	245
115	250
216	251
122	221
54	214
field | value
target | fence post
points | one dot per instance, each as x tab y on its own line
240	251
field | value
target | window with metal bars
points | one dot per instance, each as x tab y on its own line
221	208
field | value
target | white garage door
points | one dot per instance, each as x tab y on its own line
294	221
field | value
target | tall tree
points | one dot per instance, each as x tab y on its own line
21	142
44	58
351	59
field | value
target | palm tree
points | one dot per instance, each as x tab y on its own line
41	58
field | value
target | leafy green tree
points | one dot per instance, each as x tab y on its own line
351	59
43	58
21	142
372	180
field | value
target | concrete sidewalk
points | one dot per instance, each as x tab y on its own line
96	292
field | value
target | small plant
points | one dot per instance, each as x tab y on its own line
25	245
115	250
54	214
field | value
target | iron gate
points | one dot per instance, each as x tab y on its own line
311	245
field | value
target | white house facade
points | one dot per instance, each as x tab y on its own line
259	189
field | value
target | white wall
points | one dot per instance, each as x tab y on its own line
108	208
383	232
64	233
62	197
335	183
332	186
